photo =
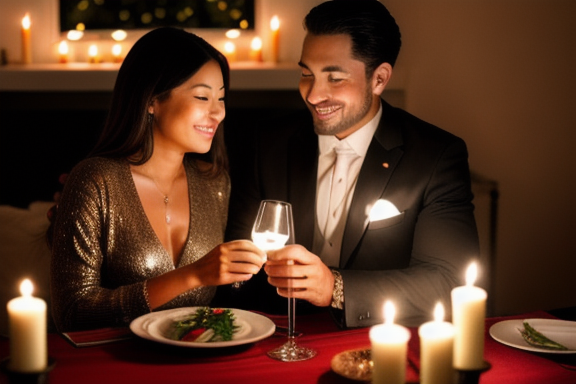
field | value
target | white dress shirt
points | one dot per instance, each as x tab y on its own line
328	249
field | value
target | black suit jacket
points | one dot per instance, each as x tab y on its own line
414	259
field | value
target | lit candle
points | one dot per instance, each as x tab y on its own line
436	349
26	47
117	53
230	51
93	54
28	339
63	51
275	38
256	49
468	315
389	349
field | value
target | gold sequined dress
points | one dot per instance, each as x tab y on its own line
104	247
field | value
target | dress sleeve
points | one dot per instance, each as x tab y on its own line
79	299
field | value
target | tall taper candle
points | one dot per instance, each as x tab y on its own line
389	349
275	39
26	47
468	316
28	338
436	349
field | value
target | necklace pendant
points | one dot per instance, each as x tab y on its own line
166	200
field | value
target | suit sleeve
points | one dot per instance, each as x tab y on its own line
445	241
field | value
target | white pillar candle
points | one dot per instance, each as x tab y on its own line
389	349
28	338
468	315
436	349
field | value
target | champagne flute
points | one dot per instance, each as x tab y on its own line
273	228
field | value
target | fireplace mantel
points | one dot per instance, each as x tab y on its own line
79	77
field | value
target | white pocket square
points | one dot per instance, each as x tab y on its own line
383	209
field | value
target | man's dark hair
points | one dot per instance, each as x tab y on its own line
374	32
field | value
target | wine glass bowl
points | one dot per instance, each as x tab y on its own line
274	228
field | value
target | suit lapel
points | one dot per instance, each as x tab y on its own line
383	155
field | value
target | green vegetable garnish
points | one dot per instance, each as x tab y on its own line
207	325
535	338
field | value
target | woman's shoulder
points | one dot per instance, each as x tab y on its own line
99	168
96	164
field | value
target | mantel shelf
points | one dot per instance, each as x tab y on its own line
101	77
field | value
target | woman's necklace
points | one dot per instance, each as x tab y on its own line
166	201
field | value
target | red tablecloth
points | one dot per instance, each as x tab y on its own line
140	361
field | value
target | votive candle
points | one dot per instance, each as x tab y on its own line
26	45
256	49
468	316
436	349
28	337
389	349
93	54
63	52
230	51
117	53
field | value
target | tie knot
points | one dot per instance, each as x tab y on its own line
343	148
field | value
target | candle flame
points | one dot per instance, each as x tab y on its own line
389	312
256	44
439	312
63	48
275	23
26	288
471	274
26	22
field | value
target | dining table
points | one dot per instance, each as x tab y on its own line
117	355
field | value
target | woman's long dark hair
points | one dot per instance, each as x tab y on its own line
158	62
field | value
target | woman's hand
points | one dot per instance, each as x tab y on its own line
295	272
227	263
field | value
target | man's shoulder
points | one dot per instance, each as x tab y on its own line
413	127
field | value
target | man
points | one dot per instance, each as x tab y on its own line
343	260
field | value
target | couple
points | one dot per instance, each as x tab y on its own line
141	222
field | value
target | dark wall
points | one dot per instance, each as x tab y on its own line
44	134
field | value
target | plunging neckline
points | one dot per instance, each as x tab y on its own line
149	225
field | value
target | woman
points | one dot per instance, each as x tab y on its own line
141	221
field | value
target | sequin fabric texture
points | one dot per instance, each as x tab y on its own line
105	249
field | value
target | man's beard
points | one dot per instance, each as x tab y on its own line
327	128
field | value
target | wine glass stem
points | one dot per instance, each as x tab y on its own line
291	316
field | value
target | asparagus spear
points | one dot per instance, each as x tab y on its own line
535	338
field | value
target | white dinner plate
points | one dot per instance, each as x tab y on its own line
561	331
158	326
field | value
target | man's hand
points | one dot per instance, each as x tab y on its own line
295	272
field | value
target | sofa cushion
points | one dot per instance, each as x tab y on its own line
23	254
